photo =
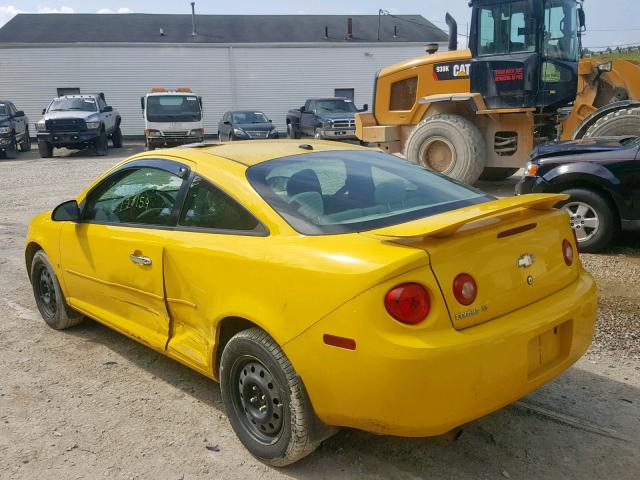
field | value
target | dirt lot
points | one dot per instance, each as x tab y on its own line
90	403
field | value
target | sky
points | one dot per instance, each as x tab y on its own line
609	22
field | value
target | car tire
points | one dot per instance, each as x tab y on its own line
496	174
592	217
25	145
45	149
11	151
292	131
449	144
102	147
266	401
116	138
48	295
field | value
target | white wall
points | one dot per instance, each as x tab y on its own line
273	79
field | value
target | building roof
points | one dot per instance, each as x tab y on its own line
145	28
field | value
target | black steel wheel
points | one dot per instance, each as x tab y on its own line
48	295
257	399
266	401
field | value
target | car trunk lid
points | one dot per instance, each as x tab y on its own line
512	248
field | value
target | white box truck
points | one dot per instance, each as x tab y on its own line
171	117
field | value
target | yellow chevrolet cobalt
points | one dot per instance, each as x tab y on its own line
323	285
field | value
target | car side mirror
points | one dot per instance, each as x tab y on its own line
142	103
270	121
107	109
227	122
19	113
303	109
66	212
364	108
44	110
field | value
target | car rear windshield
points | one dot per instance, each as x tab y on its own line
352	191
173	108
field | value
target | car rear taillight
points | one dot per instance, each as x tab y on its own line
408	303
465	289
567	252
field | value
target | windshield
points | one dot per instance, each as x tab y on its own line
81	104
561	29
353	191
173	108
505	28
335	106
249	117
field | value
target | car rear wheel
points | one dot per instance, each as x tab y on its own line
116	138
45	149
266	401
592	218
102	147
48	295
25	145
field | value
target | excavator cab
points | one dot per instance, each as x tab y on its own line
525	53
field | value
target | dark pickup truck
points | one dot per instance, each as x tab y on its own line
14	130
332	118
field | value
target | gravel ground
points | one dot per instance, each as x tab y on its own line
90	403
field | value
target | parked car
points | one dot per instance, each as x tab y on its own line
602	178
172	117
14	130
323	285
332	118
245	125
78	121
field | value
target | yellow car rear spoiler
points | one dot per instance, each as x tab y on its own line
448	223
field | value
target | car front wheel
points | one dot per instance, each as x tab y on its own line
592	218
48	295
265	400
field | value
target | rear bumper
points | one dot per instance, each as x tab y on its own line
346	133
428	386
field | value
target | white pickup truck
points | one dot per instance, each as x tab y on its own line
171	117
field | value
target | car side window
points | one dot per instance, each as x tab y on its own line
209	207
143	196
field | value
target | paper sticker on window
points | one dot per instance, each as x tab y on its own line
192	99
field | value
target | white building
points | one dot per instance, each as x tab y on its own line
270	63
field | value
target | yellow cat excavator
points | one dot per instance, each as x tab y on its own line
478	113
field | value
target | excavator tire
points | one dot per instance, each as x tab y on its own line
625	121
449	144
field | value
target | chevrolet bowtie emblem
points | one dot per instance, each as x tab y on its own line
525	260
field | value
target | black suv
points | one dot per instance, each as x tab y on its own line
602	177
14	130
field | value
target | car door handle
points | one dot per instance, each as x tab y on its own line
140	259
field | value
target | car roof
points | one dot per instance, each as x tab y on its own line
80	95
253	152
245	111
